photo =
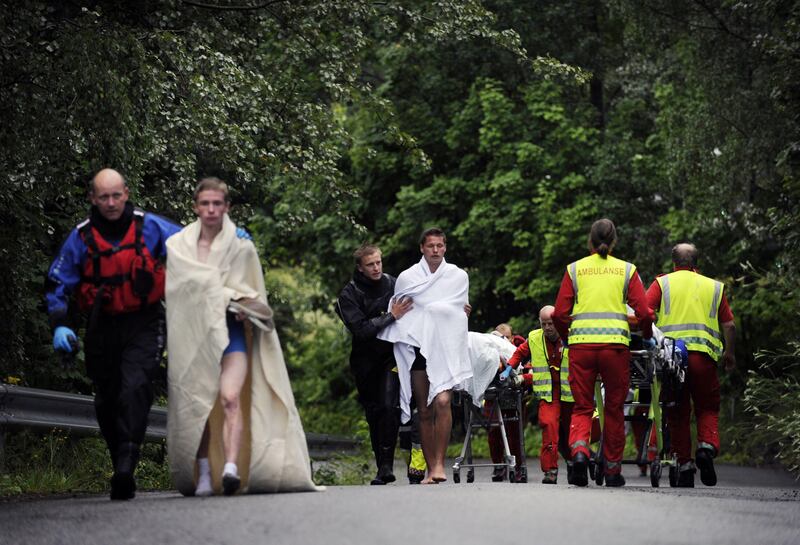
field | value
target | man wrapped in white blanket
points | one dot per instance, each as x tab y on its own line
431	345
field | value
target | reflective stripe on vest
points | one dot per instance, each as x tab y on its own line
690	309
601	288
540	369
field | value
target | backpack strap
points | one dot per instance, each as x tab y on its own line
138	218
85	230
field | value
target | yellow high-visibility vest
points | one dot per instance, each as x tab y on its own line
599	314
690	310
540	369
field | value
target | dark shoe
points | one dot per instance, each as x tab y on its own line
377	481
580	476
550	477
499	474
387	477
522	475
569	472
686	476
230	484
615	480
704	459
123	486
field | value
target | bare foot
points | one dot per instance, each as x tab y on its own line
439	479
429	480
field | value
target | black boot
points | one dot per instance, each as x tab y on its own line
499	474
569	472
615	480
385	467
704	458
123	484
580	470
686	475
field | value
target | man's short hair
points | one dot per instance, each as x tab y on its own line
365	250
214	184
432	232
684	255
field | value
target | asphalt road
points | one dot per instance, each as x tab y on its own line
749	506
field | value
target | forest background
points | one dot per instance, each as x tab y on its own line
512	125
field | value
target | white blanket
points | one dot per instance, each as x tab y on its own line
274	454
485	351
437	325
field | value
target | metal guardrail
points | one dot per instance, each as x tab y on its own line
22	407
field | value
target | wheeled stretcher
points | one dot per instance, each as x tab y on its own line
659	371
507	396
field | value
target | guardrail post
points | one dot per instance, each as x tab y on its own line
2	450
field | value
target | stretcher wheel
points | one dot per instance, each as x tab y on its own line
599	472
655	473
456	477
673	476
512	475
470	475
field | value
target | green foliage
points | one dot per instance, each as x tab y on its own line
771	397
55	462
341	122
317	350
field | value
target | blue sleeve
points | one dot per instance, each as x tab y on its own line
63	276
156	231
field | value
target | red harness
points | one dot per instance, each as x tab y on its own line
126	274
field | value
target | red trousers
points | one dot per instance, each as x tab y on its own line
512	433
554	419
612	364
702	386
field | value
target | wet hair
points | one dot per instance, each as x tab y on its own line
602	237
212	183
365	250
432	232
684	255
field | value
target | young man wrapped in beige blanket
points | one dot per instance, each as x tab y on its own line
232	418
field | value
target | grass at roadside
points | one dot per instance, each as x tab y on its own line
55	462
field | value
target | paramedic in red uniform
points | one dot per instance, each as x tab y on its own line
549	378
591	314
694	308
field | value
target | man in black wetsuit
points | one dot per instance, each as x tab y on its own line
362	307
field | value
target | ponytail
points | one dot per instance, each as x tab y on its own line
602	237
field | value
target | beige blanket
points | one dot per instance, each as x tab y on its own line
274	454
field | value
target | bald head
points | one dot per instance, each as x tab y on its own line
546	320
109	193
684	255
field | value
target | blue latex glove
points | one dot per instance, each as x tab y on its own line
63	339
243	234
649	343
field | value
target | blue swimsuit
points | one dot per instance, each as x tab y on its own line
237	343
